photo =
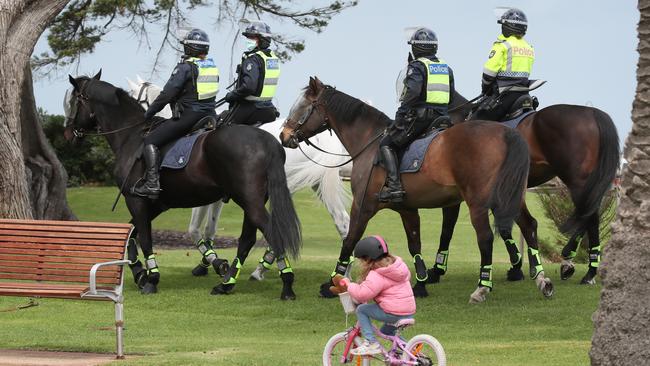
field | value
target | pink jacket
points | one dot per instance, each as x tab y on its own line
388	286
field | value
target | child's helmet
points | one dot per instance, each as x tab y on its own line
373	247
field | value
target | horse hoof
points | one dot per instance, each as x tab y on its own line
434	275
588	280
479	295
199	271
325	290
567	269
220	266
287	295
257	275
420	290
515	274
545	285
222	289
149	288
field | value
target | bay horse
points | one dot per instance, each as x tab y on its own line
301	170
482	163
577	144
243	162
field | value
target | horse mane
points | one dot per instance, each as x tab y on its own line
107	93
344	107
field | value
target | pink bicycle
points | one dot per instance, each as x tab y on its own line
421	350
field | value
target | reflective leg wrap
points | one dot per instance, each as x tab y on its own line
569	252
513	252
441	260
341	268
233	273
420	268
268	258
284	266
207	251
535	263
594	257
485	278
152	266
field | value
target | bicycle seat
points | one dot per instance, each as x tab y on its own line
403	323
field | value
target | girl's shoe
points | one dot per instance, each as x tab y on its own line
367	349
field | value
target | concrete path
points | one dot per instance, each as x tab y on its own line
41	358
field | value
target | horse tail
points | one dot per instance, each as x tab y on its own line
508	192
601	178
284	233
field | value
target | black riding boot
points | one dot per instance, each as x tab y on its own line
151	186
392	190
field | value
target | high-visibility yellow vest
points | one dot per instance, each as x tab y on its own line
511	59
207	83
271	77
437	81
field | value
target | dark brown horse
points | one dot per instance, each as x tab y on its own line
241	162
580	146
482	163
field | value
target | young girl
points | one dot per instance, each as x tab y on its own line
385	278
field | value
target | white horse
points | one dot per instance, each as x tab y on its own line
300	171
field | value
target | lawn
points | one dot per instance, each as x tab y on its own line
184	325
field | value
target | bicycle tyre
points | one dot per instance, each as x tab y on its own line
330	356
436	347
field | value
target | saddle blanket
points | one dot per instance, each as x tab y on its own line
179	153
413	156
513	123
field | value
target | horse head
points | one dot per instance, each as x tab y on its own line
302	123
79	115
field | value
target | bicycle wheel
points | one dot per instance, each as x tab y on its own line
333	352
427	351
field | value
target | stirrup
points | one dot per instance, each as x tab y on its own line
386	195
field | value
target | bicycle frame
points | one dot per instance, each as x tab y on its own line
389	356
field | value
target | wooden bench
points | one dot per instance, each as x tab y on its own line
67	260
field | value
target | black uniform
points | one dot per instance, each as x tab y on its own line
250	81
179	89
413	103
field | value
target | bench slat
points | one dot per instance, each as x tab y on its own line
42	254
7	240
63	234
108	271
71	229
40	259
93	224
62	246
78	279
53	265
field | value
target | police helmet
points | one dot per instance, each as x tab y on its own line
423	42
260	30
373	247
513	22
196	43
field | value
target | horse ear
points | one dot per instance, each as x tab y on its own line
132	85
73	81
140	80
314	85
98	75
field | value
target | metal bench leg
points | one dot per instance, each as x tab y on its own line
119	328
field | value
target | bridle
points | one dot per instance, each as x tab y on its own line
297	133
144	88
84	101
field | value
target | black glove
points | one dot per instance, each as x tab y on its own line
147	116
231	97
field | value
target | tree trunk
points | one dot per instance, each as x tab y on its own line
46	177
622	331
21	24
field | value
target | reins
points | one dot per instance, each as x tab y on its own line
352	157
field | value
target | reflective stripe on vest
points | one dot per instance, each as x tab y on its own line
437	81
518	63
207	83
271	76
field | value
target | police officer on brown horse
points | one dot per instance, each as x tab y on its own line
191	90
428	86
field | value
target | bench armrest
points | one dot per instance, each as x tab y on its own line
93	273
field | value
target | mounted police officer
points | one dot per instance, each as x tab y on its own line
506	72
428	87
191	89
257	79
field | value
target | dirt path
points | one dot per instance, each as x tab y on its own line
41	358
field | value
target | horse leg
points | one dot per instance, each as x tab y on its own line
286	273
515	273
205	244
264	265
485	238
198	215
246	242
411	222
594	250
142	213
137	269
449	219
358	223
528	226
567	268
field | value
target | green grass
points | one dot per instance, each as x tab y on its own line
183	324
